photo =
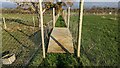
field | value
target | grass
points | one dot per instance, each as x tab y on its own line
21	37
60	22
59	60
99	41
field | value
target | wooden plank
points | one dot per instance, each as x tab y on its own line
60	41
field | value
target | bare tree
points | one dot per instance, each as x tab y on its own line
47	4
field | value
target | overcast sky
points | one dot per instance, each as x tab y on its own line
88	4
102	0
76	0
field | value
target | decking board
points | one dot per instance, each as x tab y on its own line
60	41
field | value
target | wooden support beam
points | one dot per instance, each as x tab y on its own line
42	28
65	16
54	17
68	17
44	10
80	27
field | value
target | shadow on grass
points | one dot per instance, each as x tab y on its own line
36	37
23	32
17	39
19	21
21	49
60	60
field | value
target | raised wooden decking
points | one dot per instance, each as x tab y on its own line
60	41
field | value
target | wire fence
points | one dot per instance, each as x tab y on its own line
22	38
72	24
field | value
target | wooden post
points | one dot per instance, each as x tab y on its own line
80	27
53	17
4	22
65	17
68	17
34	22
42	28
63	13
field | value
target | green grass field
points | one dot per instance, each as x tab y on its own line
99	41
17	37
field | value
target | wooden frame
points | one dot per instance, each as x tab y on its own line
80	25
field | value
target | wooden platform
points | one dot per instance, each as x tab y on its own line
60	41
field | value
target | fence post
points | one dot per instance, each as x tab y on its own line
68	17
63	13
65	16
42	28
4	22
80	27
34	22
53	17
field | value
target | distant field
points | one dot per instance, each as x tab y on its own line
99	40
